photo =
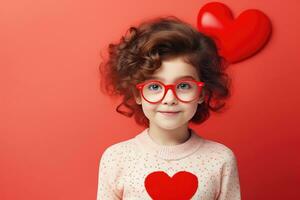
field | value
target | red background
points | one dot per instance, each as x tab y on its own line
55	123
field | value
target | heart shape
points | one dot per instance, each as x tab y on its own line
182	186
236	39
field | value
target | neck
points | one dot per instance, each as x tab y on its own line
169	137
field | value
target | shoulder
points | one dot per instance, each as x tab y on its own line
117	151
219	150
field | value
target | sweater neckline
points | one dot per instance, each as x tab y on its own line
169	152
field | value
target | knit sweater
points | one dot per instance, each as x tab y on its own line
141	169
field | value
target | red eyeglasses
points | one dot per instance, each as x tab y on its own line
185	90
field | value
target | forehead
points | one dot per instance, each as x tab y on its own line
174	69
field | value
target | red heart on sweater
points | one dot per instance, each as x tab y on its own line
182	186
239	38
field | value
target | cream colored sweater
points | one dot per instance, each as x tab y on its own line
141	169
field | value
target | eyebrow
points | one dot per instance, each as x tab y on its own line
180	77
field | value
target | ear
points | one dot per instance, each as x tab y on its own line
138	99
202	97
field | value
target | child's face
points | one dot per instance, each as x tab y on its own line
170	71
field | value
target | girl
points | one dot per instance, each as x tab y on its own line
168	74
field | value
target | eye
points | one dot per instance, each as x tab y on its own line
184	85
154	86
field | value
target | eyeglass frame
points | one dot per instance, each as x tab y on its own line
140	87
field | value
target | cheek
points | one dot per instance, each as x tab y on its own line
148	109
191	109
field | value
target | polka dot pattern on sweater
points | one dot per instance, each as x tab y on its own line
124	167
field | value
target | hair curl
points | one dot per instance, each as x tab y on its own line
141	51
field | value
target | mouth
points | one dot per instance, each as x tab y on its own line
169	113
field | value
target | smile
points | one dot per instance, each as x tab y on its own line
169	113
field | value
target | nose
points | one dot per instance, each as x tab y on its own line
169	98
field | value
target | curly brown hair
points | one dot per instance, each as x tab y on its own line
140	52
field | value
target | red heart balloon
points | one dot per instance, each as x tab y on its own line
182	186
236	39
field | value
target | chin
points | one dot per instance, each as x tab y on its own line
169	125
